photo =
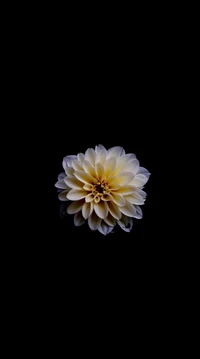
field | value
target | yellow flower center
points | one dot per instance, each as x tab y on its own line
100	190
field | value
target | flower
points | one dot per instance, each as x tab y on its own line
105	187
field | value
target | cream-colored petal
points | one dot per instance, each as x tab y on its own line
139	180
118	199
89	197
89	168
101	156
78	219
81	157
77	166
99	148
142	193
110	220
107	197
129	209
101	209
61	184
99	170
135	198
121	162
114	210
125	190
87	209
132	166
109	166
124	178
73	182
61	176
88	187
63	196
116	152
75	194
85	177
69	171
94	221
104	228
90	156
75	207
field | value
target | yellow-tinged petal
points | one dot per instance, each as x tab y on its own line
85	177
124	178
114	210
75	194
89	168
73	182
101	209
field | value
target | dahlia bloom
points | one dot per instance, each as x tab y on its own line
105	188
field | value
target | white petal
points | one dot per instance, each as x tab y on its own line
139	213
81	157
90	156
85	177
126	226
94	221
125	190
89	197
67	161
114	210
124	178
105	229
144	172
99	148
118	199
121	162
99	170
75	194
129	209
73	182
142	193
61	184
77	166
135	198
63	196
132	166
89	168
101	156
69	171
87	209
61	176
109	166
116	151
101	209
78	219
75	207
139	180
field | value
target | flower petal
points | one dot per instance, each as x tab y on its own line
110	220
85	177
69	171
90	156
118	199
129	209
132	166
61	184
94	221
63	195
77	165
75	194
89	197
139	213
99	170
139	180
101	156
61	176
73	182
126	226
87	209
101	209
135	198
105	229
89	168
81	157
75	207
144	172
114	210
125	190
78	219
109	166
124	178
67	161
116	151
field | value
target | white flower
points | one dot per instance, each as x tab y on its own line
105	187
